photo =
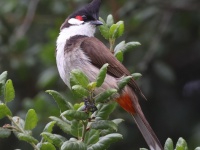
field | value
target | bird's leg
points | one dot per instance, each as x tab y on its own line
90	104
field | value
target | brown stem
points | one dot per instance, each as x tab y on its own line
23	28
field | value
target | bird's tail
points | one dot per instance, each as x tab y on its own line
147	132
131	105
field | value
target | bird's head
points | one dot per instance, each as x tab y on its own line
88	14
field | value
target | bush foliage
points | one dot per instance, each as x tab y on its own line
88	129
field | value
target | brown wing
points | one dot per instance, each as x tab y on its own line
99	54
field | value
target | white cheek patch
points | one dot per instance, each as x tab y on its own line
75	21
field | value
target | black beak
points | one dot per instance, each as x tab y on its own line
96	22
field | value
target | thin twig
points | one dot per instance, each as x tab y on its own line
84	129
23	28
19	129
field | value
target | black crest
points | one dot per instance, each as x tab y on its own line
92	9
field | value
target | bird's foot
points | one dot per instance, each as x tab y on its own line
89	106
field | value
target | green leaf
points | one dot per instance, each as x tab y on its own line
49	127
106	132
136	76
104	110
104	124
181	144
120	30
3	77
101	76
77	77
91	137
116	30
123	47
4	111
73	145
65	127
4	133
31	120
119	47
92	86
130	45
103	97
61	102
169	144
119	55
73	114
9	92
19	121
110	20
54	139
113	32
104	29
47	146
73	139
143	149
27	138
123	82
1	89
80	91
78	106
117	121
76	128
105	141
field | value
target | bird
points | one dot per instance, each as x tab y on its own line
77	48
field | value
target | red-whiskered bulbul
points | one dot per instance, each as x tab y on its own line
77	48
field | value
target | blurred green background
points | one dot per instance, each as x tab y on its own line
169	60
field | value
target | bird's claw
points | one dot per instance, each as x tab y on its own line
89	106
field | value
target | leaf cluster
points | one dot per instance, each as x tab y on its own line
88	130
112	31
91	131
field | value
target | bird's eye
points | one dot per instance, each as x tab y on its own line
79	18
84	17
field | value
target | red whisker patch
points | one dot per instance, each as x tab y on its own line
79	18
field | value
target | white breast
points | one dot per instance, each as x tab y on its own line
76	59
64	62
